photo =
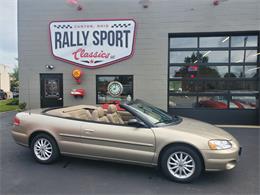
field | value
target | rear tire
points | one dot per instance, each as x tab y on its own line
181	164
44	149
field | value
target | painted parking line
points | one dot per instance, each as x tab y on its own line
241	126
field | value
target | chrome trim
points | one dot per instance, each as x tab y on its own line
117	141
69	135
108	140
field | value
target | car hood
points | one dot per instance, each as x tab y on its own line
200	128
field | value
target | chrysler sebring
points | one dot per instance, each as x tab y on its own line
138	133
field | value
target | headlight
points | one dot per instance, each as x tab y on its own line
219	144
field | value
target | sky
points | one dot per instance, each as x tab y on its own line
8	33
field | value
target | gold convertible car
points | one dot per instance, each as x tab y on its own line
139	133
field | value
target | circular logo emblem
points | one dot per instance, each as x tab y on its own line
115	88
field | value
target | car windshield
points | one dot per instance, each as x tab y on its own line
155	115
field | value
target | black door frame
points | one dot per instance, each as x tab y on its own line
60	77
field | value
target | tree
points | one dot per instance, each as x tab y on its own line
196	57
14	78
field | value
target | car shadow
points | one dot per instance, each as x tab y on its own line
152	173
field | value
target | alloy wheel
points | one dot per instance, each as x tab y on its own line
181	165
43	149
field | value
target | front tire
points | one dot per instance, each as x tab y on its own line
44	149
181	164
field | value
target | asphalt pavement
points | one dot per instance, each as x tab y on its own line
20	174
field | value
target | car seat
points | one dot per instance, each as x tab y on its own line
113	116
99	115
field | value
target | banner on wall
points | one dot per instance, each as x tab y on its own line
92	43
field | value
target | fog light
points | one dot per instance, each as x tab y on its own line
231	164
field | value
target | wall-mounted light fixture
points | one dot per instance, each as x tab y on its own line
77	74
216	2
50	67
145	3
75	3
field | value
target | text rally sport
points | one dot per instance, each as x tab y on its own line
116	38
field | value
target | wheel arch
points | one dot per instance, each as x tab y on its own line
37	132
181	144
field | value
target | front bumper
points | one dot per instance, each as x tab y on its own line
218	160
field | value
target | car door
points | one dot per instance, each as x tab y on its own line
68	134
118	142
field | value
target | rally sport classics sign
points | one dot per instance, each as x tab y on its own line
92	43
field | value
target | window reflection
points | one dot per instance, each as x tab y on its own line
186	42
241	41
216	73
202	57
212	86
196	71
182	101
243	72
176	72
240	86
240	56
181	56
102	91
214	41
212	71
216	56
243	102
182	86
215	102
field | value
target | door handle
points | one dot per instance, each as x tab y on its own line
89	130
59	98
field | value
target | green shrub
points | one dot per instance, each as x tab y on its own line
14	101
22	106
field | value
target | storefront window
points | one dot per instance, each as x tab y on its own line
184	71
244	41
242	86
182	86
213	72
196	71
210	86
240	56
120	88
182	56
182	101
215	56
213	102
214	41
186	42
243	102
243	71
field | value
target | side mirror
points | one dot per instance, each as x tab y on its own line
135	123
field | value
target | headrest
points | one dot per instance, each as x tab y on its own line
111	108
101	112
